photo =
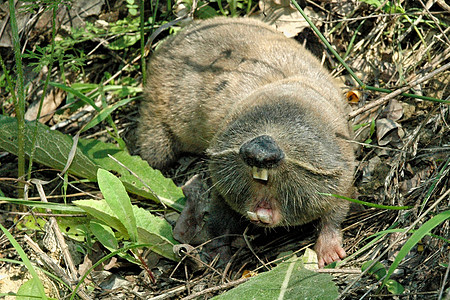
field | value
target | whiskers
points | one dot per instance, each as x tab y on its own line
223	153
228	178
313	169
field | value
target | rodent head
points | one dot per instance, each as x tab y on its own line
272	159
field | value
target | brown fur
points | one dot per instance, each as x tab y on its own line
222	82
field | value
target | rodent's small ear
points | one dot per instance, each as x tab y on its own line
261	152
343	137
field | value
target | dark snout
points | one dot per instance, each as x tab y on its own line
261	152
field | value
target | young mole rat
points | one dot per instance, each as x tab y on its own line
269	117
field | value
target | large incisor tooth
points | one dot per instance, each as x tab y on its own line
265	218
260	173
252	216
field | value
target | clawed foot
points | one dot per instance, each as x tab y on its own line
329	247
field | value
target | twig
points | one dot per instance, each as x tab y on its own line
48	261
228	265
336	271
169	294
375	146
62	243
253	251
386	98
444	5
198	260
62	196
441	292
216	288
51	264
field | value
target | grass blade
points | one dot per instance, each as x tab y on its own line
26	261
415	238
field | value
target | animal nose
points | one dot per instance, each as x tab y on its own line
261	152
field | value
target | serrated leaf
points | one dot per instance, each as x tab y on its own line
150	229
156	231
117	198
53	148
104	235
289	280
166	190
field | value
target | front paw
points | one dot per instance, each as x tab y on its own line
329	248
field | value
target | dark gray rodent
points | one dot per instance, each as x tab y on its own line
269	117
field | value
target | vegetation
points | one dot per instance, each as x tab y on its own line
77	201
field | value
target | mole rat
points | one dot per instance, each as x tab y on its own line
269	118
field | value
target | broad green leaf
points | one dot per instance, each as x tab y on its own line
31	222
415	238
99	209
156	231
310	259
37	282
289	280
53	147
151	229
117	198
124	41
104	235
29	290
205	11
164	188
76	228
394	287
152	224
378	270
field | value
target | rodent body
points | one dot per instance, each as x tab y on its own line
269	117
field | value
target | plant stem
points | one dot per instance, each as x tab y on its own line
222	11
142	18
19	104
